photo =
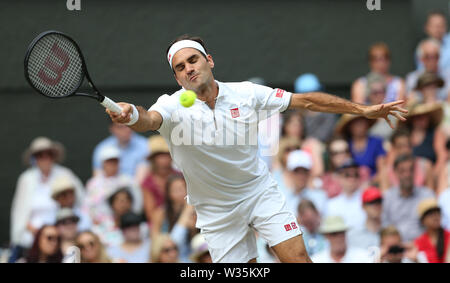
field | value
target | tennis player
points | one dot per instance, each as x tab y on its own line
231	189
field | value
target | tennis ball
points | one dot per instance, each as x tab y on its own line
187	98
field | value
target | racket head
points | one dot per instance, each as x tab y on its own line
54	65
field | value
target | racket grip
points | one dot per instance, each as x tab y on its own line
111	105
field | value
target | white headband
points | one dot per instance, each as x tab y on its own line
183	44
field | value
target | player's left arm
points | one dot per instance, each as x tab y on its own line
323	102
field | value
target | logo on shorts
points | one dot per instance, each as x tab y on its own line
287	227
279	93
234	112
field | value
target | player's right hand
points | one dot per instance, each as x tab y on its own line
123	117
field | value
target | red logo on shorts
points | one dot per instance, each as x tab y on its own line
234	112
287	227
279	93
294	226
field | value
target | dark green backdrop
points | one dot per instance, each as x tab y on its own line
124	43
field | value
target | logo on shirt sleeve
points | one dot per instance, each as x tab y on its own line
287	227
234	112
279	93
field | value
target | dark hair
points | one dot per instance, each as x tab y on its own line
187	37
447	144
34	254
306	204
172	216
400	132
287	116
125	190
403	158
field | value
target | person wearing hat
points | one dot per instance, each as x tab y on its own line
427	89
406	196
348	203
154	184
367	236
365	149
108	179
67	225
299	164
427	137
133	150
435	241
199	248
32	204
338	251
134	248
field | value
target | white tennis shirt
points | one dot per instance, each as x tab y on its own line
217	150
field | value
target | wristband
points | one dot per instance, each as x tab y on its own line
134	116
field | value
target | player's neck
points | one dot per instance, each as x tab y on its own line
208	93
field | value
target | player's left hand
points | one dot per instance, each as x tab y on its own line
383	110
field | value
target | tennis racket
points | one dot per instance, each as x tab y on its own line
55	67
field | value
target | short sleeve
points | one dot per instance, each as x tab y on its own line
165	106
271	99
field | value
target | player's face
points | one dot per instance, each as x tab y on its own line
192	70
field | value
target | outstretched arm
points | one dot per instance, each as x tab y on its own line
323	102
148	120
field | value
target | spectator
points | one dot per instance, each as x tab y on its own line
63	192
46	247
163	249
339	153
400	202
280	173
427	139
294	126
92	249
155	182
366	150
400	144
436	28
444	203
429	53
379	62
105	183
426	89
348	204
334	229
67	225
299	163
318	125
435	242
200	252
133	150
367	237
32	205
393	250
309	219
134	248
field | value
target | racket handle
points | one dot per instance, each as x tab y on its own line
111	105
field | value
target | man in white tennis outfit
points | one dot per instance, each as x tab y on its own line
214	144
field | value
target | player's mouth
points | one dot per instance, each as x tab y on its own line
193	77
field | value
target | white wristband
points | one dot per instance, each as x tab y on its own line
134	116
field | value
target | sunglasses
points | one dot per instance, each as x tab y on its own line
350	174
169	249
68	221
51	238
292	148
46	153
379	58
338	152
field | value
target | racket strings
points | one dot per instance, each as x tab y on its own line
55	66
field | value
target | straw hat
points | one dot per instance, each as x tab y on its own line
157	144
427	205
333	224
433	109
61	184
345	121
40	144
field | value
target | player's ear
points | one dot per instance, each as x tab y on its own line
210	60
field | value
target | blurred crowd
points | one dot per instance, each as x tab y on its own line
362	192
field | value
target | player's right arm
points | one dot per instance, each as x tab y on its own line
148	120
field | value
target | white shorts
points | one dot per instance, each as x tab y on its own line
230	231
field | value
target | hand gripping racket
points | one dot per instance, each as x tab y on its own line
55	67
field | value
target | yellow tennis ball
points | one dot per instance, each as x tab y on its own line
187	98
